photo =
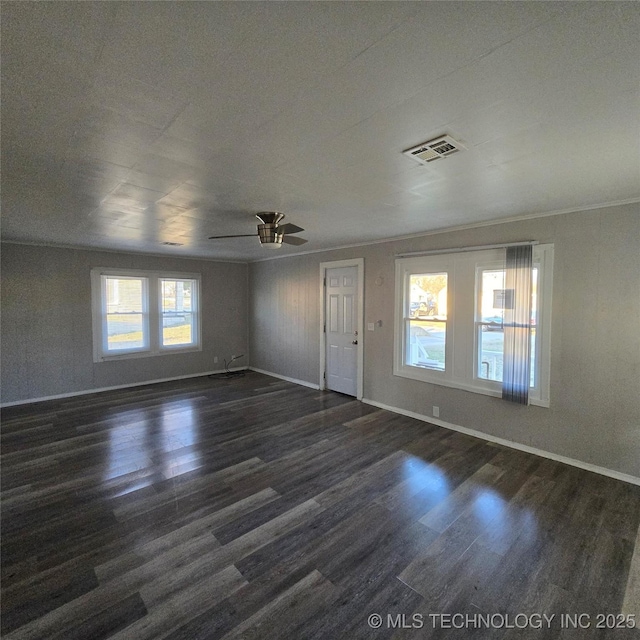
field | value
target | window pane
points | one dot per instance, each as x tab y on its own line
490	328
125	331
426	326
177	312
492	298
168	295
177	329
491	353
177	295
125	313
124	295
428	295
426	344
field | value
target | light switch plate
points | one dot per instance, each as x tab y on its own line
371	326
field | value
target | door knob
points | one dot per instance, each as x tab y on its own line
354	342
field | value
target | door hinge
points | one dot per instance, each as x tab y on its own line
324	328
325	375
324	281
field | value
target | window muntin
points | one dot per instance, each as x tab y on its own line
138	314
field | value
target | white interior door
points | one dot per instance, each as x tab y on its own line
341	328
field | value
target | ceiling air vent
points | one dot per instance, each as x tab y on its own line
172	244
434	149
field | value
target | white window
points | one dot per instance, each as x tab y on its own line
449	320
426	331
178	307
137	314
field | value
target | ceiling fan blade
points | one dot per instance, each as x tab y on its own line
289	228
242	235
296	241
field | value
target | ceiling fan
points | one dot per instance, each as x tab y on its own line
272	234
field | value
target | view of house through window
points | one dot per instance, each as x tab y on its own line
427	319
493	299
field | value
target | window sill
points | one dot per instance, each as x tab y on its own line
437	380
146	354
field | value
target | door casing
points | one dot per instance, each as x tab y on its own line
359	263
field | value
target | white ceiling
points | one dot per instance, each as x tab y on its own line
127	124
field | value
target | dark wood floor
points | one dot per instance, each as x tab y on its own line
255	508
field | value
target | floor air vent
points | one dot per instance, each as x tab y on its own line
434	149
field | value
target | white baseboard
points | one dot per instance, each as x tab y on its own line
587	466
85	392
304	383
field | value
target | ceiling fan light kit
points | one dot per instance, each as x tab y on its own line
269	238
270	233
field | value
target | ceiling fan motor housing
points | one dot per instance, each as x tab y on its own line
267	231
270	217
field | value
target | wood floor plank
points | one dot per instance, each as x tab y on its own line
443	515
184	605
107	622
349	619
46	593
281	618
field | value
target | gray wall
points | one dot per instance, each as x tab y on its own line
47	346
595	366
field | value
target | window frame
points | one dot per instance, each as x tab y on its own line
104	313
152	303
461	346
438	265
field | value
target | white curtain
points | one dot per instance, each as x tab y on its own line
517	325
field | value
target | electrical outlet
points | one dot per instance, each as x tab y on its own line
371	326
215	359
436	411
